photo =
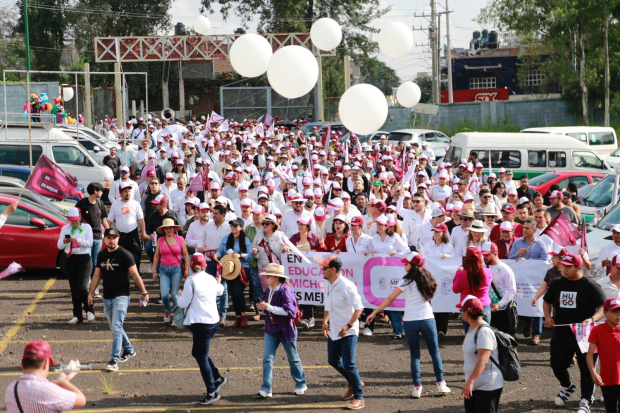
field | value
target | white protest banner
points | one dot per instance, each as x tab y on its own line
377	276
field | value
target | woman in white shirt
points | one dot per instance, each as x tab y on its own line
474	238
76	240
199	297
419	287
440	245
275	240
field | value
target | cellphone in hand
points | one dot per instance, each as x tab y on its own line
67	236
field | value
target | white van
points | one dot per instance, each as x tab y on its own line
601	139
56	145
526	153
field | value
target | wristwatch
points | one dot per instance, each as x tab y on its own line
144	293
349	325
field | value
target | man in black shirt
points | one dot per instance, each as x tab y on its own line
113	264
575	300
94	214
524	190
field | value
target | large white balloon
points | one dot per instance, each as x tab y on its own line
395	40
326	34
408	94
67	93
202	25
293	71
363	109
250	54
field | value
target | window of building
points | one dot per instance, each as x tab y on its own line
534	78
194	99
482	83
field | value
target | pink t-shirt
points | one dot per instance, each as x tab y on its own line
460	285
170	255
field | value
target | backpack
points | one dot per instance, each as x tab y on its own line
509	363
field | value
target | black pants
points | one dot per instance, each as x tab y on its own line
563	348
441	321
202	335
77	270
308	311
366	313
235	289
612	398
499	320
483	401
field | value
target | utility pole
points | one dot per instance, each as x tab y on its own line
438	38
181	92
449	54
433	37
606	70
27	39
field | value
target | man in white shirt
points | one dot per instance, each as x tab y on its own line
611	283
196	228
462	230
343	307
245	211
425	234
178	192
609	251
115	195
427	151
289	221
129	218
163	162
442	191
502	290
419	214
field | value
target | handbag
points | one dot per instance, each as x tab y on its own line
511	310
178	259
179	314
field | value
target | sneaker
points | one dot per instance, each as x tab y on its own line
210	399
355	405
74	320
367	331
584	406
442	387
311	323
362	325
166	316
301	391
220	383
397	336
90	316
126	356
305	324
97	294
112	365
264	395
564	395
416	392
535	341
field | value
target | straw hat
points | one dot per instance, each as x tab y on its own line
477	226
275	270
168	222
231	267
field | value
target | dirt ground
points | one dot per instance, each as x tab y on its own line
164	376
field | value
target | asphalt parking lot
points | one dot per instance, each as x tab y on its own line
164	377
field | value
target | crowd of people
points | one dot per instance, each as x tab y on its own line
221	207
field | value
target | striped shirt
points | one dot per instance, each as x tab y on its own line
38	395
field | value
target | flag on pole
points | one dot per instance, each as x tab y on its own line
259	120
150	166
562	230
271	130
223	127
49	180
269	119
260	130
215	117
197	183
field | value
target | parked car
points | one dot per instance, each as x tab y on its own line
613	159
599	235
59	207
19	172
543	182
600	199
29	235
436	140
15	184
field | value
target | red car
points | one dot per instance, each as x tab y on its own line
29	235
542	183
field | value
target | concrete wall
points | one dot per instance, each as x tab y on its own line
17	96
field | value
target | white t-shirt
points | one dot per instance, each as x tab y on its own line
342	300
416	307
126	215
491	377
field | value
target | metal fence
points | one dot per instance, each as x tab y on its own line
240	103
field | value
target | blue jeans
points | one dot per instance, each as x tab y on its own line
272	341
256	289
341	356
169	284
536	324
428	329
94	252
396	317
222	301
486	317
202	335
115	310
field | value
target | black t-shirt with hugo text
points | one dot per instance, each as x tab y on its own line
574	301
93	214
114	267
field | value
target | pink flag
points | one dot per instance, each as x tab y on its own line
271	130
197	183
269	119
562	230
150	166
13	268
260	130
49	180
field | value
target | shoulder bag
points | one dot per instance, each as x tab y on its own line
179	314
511	310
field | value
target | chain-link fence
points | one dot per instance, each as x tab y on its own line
240	103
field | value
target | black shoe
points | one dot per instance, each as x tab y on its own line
210	399
112	365
220	383
126	356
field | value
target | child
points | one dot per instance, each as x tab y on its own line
606	338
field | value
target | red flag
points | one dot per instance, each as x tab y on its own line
562	230
49	180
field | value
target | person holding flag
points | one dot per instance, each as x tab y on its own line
7	212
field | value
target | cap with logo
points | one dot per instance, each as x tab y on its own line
572	260
611	304
111	232
331	262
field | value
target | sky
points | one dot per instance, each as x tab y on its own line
462	25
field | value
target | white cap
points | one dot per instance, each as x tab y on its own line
505	226
523	200
512	191
215	185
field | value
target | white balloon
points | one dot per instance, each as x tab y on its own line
202	25
363	109
67	93
326	34
250	54
293	71
395	40
408	94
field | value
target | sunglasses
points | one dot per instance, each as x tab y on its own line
234	225
124	172
462	184
416	201
266	224
154	183
466	219
486	197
